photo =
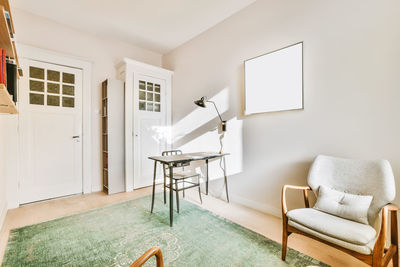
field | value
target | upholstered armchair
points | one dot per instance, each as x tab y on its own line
352	209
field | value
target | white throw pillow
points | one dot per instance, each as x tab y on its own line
344	205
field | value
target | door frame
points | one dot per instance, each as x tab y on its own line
126	70
48	56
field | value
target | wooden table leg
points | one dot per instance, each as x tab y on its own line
206	176
171	202
154	186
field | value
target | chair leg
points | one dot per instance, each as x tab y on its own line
379	247
183	184
177	195
396	259
154	187
165	184
284	238
394	237
377	260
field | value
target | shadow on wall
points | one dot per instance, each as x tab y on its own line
200	119
263	171
198	131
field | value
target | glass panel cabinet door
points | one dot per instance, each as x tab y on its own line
45	84
149	96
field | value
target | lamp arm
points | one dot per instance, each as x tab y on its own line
216	110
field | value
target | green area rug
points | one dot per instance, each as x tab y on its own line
116	235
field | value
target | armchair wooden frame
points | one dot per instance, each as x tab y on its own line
154	251
380	256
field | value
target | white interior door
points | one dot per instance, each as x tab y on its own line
150	128
50	131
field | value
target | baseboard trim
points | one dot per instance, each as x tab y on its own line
255	205
3	213
96	189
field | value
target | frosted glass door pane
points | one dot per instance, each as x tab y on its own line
53	88
36	99
37	73
149	96
53	75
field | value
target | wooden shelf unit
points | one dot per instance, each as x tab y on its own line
6	103
113	141
5	39
104	121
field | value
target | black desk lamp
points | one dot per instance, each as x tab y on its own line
202	103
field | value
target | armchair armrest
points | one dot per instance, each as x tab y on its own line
379	247
295	187
391	207
148	254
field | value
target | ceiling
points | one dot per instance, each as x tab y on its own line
158	25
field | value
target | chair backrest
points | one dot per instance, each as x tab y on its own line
362	177
170	153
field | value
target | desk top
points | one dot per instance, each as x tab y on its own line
185	157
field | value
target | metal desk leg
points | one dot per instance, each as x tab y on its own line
225	180
154	186
177	195
165	183
206	176
171	202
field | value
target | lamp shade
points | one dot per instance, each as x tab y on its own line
201	102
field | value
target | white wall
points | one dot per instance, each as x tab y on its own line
102	53
351	91
3	199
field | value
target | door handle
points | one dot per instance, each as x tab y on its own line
75	136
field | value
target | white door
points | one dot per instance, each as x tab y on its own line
150	128
50	129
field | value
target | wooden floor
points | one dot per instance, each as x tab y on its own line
264	224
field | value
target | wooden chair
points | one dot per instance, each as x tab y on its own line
180	177
154	251
357	177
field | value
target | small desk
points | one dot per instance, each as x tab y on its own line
180	161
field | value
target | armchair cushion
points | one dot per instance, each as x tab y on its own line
333	226
361	177
344	205
363	249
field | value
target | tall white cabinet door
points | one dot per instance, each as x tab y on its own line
147	119
150	127
50	126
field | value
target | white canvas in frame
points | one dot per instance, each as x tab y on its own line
274	81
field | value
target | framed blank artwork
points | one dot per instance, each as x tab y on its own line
274	81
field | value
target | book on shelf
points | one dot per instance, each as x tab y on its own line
3	73
8	19
8	74
12	78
